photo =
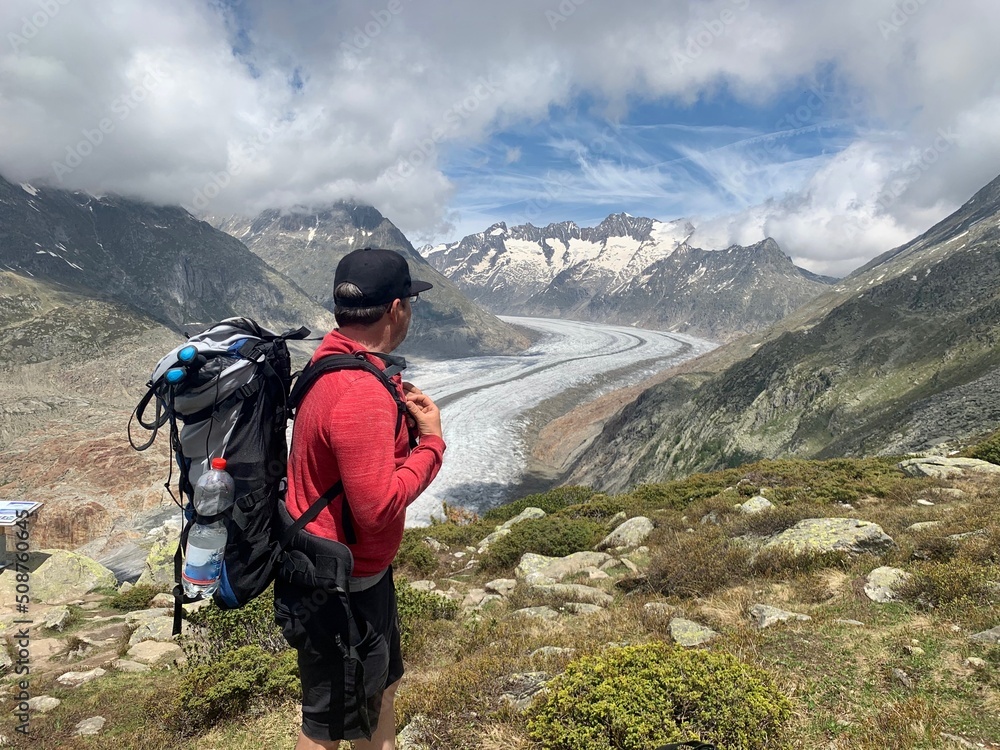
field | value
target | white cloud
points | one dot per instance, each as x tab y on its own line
393	83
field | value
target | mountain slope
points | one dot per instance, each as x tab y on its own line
900	356
158	259
306	246
628	270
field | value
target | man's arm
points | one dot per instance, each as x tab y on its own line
362	435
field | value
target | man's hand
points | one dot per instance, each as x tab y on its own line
423	411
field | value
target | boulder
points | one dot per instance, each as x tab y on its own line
539	569
155	653
156	629
124	665
923	526
164	601
141	616
991	636
90	726
689	633
158	570
756	504
65	576
765	616
410	736
882	585
474	598
490	540
43	703
501	586
425	586
582	608
940	467
824	535
56	618
503	529
539	613
575	592
75	679
632	533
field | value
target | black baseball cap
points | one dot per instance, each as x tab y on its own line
381	275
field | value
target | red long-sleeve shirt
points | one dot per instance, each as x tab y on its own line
344	429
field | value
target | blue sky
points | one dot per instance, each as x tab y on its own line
450	116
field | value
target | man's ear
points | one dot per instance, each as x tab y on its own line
396	309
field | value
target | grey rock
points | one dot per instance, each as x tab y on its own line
142	616
974	662
490	600
582	608
940	467
539	569
125	587
765	616
43	703
56	618
424	586
540	613
617	519
551	652
491	539
898	675
125	665
501	586
155	653
825	535
991	636
527	514
164	601
632	533
90	726
756	504
411	736
923	526
882	585
474	598
712	518
575	592
689	633
968	535
156	629
65	576
434	544
75	679
924	502
522	688
658	610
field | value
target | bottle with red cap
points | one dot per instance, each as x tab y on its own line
206	545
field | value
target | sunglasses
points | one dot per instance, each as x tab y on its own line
413	298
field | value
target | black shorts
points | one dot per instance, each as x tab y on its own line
309	619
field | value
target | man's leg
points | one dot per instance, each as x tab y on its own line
384	737
305	743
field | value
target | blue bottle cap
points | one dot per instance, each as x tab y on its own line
175	375
187	353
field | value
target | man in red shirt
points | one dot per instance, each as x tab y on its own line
350	428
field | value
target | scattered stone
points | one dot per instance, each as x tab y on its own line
90	726
155	653
624	562
409	737
632	533
527	514
541	613
923	526
501	586
974	662
434	544
491	539
539	569
56	618
43	703
987	636
617	519
765	616
924	502
75	679
642	550
65	576
125	665
689	633
458	555
913	650
595	574
883	584
163	600
156	629
902	678
853	623
474	598
756	504
522	689
158	570
576	592
125	587
142	616
711	517
968	534
824	535
425	586
489	600
581	608
551	652
940	467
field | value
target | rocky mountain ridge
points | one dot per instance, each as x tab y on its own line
307	244
899	356
627	270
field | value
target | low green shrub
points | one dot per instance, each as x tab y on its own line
416	607
552	536
415	555
638	697
935	584
602	509
691	565
226	630
550	502
457	535
238	681
137	597
987	450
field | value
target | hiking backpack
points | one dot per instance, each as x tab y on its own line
231	397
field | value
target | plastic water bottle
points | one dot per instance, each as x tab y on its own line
214	493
